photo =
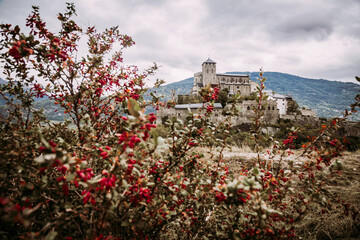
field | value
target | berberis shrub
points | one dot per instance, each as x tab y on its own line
104	172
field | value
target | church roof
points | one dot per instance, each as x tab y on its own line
209	61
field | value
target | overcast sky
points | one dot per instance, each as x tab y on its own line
308	38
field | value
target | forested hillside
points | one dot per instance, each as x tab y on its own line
327	98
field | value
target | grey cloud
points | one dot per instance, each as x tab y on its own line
318	38
303	29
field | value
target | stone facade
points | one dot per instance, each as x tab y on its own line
281	101
235	83
246	112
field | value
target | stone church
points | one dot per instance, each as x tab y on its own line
235	83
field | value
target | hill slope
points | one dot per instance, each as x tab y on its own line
327	98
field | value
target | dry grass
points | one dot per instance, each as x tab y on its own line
336	224
345	183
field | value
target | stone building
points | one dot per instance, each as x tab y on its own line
246	112
281	101
235	83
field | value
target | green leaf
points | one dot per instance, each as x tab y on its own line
51	235
255	171
125	224
133	107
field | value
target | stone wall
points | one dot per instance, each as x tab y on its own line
246	113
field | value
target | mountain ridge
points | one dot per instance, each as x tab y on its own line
327	98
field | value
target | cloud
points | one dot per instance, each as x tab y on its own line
318	39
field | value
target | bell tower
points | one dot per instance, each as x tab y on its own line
209	72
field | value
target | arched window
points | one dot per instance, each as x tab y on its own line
248	108
268	107
273	108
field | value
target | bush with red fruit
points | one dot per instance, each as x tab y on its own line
104	173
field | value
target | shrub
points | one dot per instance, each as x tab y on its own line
106	174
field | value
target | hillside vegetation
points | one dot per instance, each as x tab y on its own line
327	98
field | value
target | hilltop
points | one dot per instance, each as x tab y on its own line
327	98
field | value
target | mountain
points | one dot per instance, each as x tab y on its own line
51	110
327	98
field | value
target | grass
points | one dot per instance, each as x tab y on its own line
344	182
337	224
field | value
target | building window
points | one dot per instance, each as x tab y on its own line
273	108
248	108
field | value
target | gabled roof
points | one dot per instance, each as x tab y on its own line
209	61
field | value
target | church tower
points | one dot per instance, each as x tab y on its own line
209	72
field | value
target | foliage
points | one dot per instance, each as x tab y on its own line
223	97
327	98
105	173
186	99
293	107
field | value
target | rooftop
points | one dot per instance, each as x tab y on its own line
209	61
276	95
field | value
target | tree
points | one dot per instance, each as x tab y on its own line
223	97
292	107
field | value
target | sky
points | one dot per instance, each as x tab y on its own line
307	38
